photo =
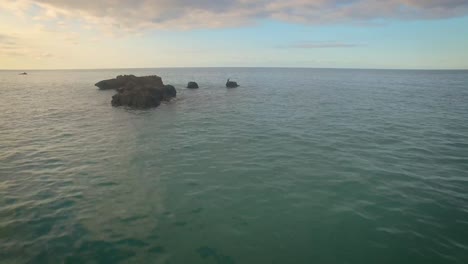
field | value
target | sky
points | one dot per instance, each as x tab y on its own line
92	34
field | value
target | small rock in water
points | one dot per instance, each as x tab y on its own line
192	85
170	90
231	84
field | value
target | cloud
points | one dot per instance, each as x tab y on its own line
9	45
7	39
44	55
134	15
321	45
72	38
13	46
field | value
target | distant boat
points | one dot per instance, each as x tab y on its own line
231	84
23	73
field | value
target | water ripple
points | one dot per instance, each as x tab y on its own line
296	165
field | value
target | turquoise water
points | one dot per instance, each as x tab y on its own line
294	166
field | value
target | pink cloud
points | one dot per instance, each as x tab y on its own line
186	14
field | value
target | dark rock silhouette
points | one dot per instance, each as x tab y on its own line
23	73
170	90
192	85
138	92
231	84
122	80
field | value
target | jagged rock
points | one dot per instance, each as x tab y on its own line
123	80
192	85
138	97
138	92
231	84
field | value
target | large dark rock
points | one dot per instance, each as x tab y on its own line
123	80
231	84
138	92
137	97
192	85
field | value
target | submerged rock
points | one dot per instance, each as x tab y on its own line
138	92
231	84
192	85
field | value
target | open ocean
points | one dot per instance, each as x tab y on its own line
294	166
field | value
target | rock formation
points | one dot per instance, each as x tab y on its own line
231	84
192	85
170	90
138	92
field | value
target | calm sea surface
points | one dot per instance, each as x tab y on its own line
294	166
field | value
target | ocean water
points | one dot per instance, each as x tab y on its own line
294	166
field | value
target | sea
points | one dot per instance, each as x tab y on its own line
332	166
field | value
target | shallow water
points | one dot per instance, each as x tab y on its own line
294	166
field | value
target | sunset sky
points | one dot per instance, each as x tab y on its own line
57	34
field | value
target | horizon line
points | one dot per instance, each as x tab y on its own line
239	67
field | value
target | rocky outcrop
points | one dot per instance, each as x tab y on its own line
231	84
138	92
122	80
192	85
170	90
